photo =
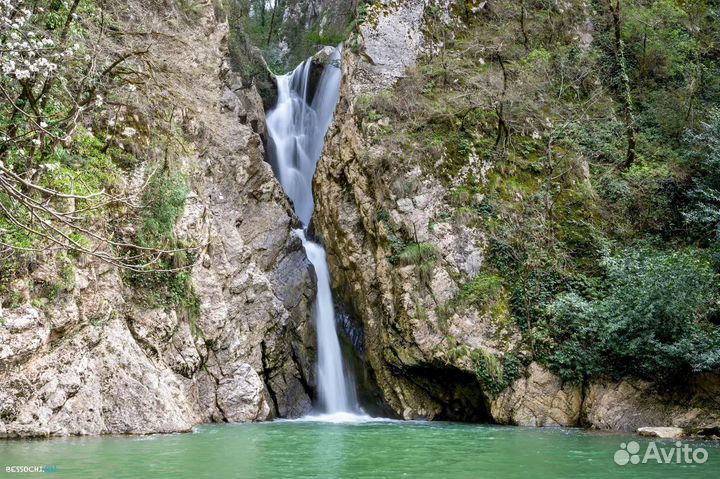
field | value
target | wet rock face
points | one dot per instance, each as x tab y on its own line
97	359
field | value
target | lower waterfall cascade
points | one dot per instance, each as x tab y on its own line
296	128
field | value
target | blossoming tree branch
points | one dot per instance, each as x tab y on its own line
60	187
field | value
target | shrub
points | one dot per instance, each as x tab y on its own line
423	256
169	286
570	352
655	321
495	373
163	203
481	290
704	214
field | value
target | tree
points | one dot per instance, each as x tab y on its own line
623	89
655	320
704	214
56	175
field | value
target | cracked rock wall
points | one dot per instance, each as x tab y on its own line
95	360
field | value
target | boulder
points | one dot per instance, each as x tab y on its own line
662	432
540	399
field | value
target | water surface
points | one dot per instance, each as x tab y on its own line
383	449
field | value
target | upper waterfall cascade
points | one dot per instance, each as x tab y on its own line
297	127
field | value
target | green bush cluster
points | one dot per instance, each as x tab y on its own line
599	194
166	284
494	372
657	320
163	202
423	257
703	215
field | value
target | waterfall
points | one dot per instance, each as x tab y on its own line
297	127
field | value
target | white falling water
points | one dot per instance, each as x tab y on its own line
297	132
297	129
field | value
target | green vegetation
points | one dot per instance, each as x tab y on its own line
395	237
169	285
703	215
50	291
71	131
495	373
484	293
590	162
55	172
423	257
482	289
163	203
655	319
284	40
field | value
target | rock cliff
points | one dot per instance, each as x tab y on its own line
438	339
405	220
95	357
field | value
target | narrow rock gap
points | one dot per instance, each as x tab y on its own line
267	371
301	375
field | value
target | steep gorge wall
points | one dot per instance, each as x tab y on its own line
289	31
409	356
97	358
429	362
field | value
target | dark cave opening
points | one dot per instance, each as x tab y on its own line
458	391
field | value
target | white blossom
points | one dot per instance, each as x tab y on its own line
25	51
8	67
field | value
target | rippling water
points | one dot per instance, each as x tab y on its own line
375	449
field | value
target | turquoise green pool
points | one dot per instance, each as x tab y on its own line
289	449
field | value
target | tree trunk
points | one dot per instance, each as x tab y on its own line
526	41
272	21
628	116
